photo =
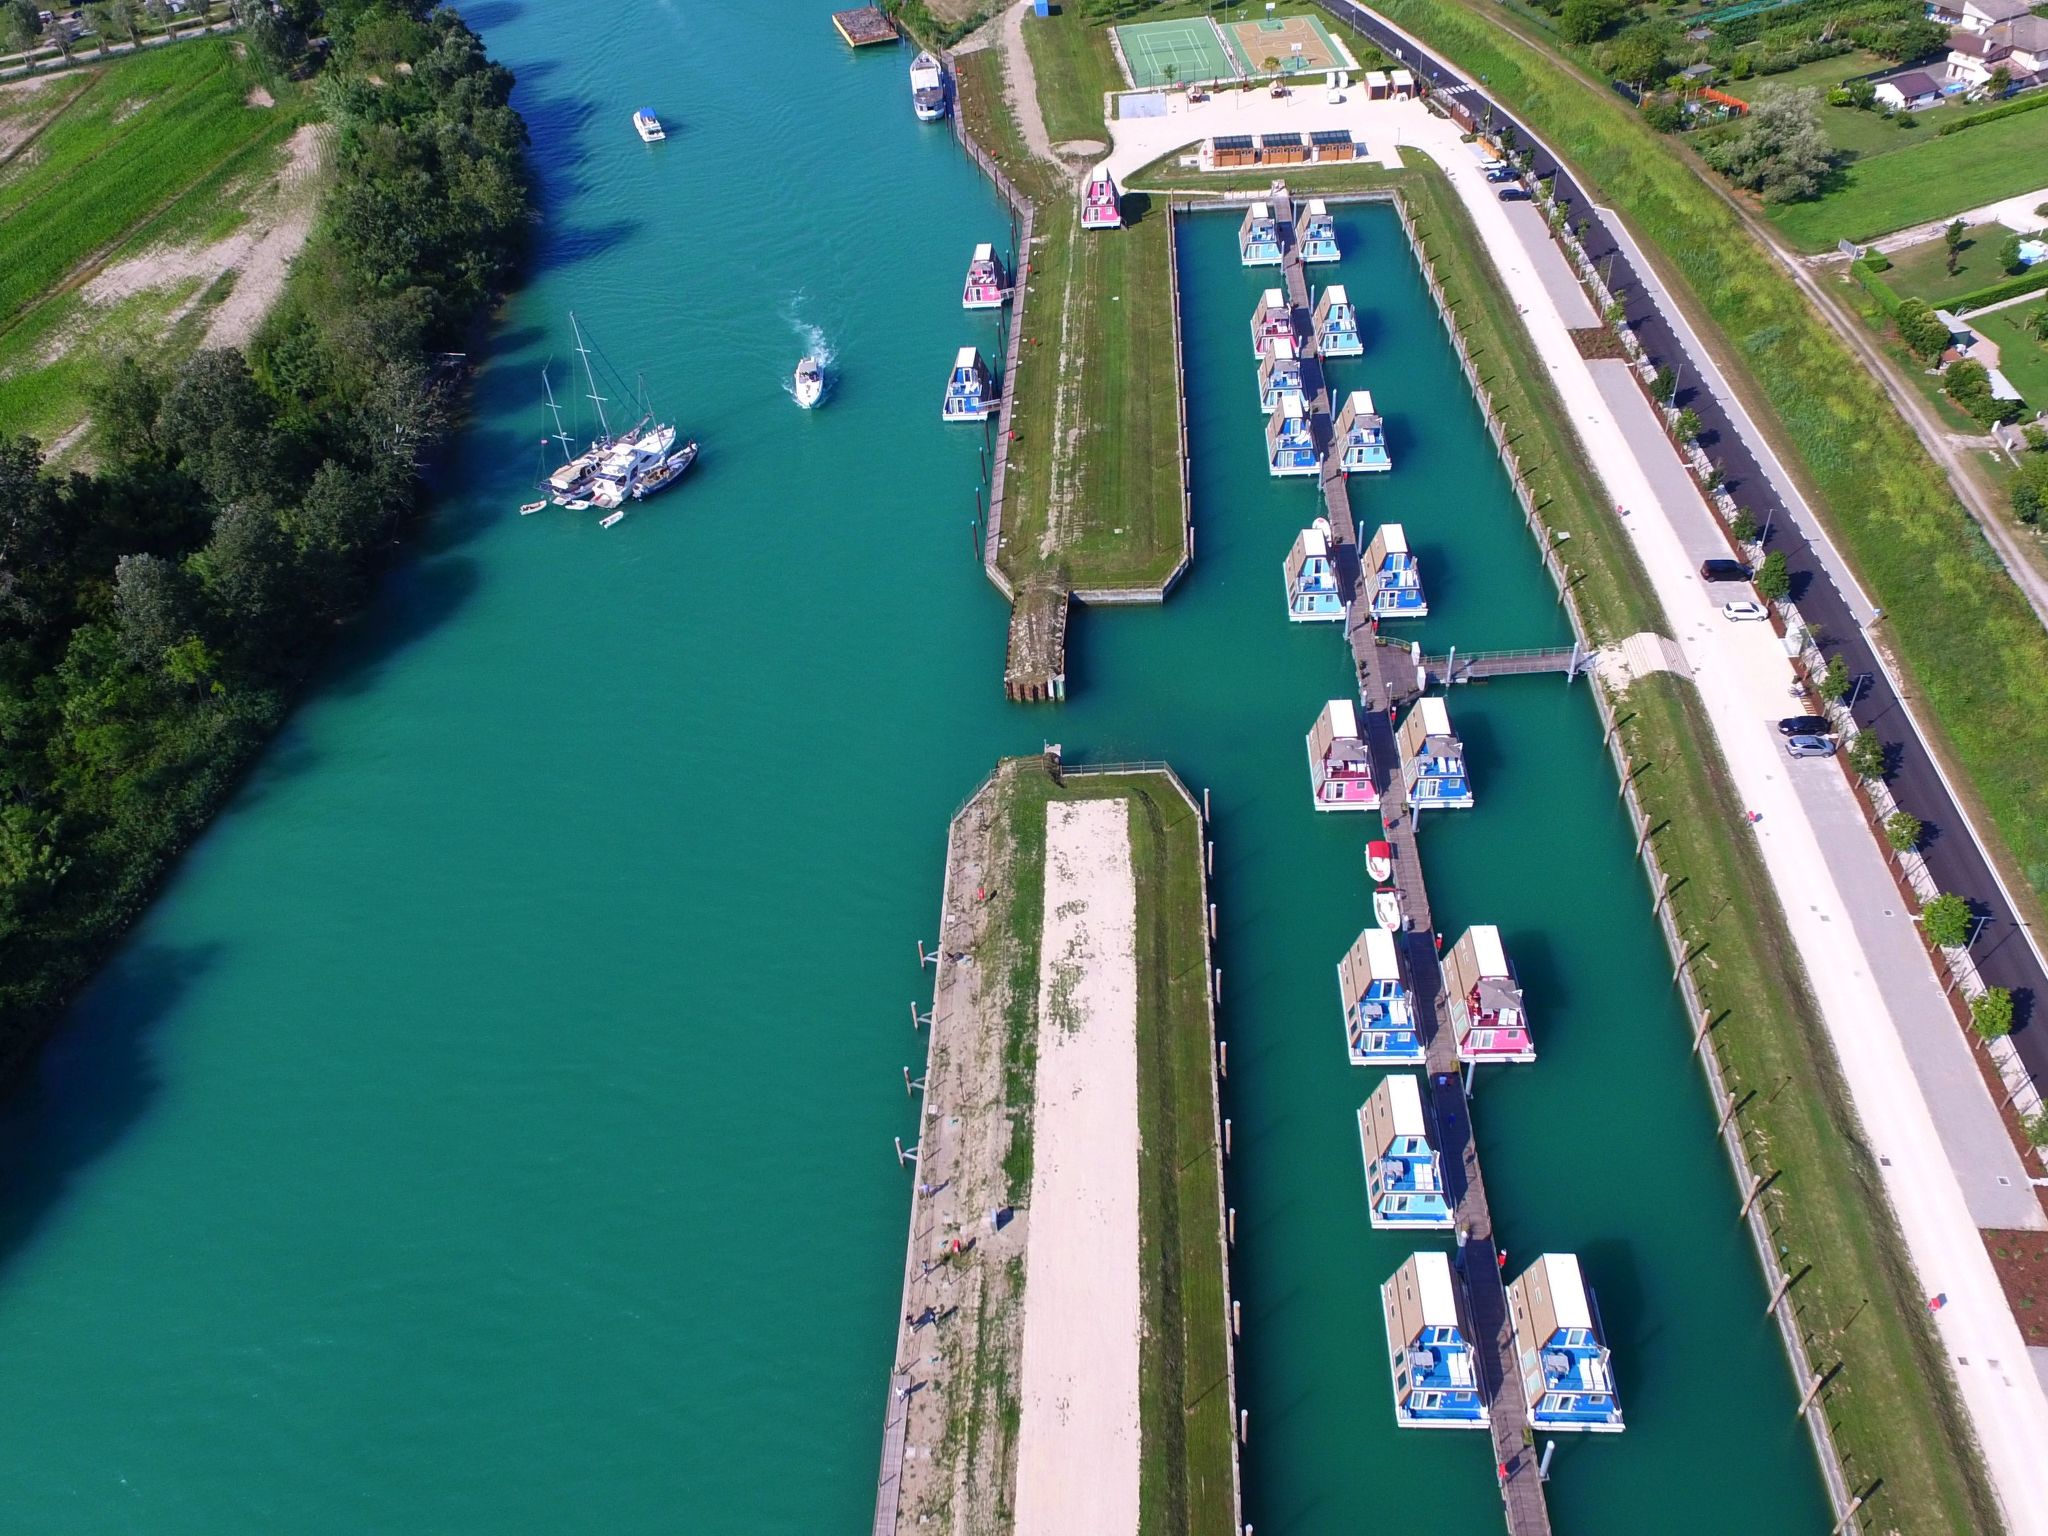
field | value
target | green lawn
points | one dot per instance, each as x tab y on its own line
1186	1487
1933	178
1921	271
2022	358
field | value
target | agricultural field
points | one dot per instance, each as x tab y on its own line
136	198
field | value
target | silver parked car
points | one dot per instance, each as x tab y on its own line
1809	746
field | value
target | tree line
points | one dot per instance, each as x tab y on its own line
157	614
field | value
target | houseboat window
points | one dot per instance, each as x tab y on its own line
1576	1338
1483	1039
1427	1401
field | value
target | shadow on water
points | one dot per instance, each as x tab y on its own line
93	1082
488	14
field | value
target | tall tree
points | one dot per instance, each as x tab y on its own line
1780	150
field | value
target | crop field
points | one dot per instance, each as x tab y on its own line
139	154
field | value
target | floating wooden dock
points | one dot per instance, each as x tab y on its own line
864	26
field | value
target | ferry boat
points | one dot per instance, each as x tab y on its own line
970	392
809	385
1433	759
1380	1028
1379	861
1099	204
986	288
617	466
1488	1019
1391	577
1361	436
1403	1177
1311	573
1337	324
1319	232
1567	1372
1258	237
1434	1369
927	88
1339	766
648	126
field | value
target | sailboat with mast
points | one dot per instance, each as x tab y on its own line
617	466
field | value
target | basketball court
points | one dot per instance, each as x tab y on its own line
1180	52
1286	45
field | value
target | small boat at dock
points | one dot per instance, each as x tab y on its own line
809	385
986	287
648	126
1379	862
1386	909
927	88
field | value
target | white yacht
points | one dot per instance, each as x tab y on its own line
648	126
927	88
617	466
810	383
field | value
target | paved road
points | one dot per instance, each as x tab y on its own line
1823	587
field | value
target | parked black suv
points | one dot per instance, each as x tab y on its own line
1514	194
1804	725
1723	570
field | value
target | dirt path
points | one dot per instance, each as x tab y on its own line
1021	80
266	264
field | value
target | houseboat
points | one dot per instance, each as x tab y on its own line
1312	595
987	287
648	126
1380	1027
970	392
1272	320
1433	759
1429	1348
1291	440
1339	767
1099	209
1258	237
1319	231
1567	1377
1404	1184
1280	379
1337	324
1361	436
1391	577
1485	1000
927	88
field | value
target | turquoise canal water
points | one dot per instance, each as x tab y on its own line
489	1129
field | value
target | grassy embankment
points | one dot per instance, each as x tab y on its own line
158	149
1093	499
1971	647
1186	1485
1826	1208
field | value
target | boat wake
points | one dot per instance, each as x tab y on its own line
817	346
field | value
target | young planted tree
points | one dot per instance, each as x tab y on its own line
1665	382
1834	683
1947	920
2009	256
1953	237
1903	831
1991	1014
1744	527
1687	427
1773	580
1867	755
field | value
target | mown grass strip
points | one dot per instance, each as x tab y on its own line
1954	618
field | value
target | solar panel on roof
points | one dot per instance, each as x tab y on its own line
1331	136
1283	138
1235	142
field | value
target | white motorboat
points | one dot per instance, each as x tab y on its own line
810	382
648	126
1386	909
927	88
1379	862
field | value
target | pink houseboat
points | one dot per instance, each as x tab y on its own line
1099	202
987	287
1339	767
1487	1016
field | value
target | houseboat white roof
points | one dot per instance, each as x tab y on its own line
1280	349
1274	299
1336	295
984	251
967	359
1404	1097
1344	722
1261	211
1393	539
1313	542
1316	206
1379	954
1433	1284
1487	950
1567	1290
1436	716
1361	400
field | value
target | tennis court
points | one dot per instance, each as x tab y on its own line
1173	52
1286	45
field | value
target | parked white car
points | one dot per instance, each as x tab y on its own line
1743	608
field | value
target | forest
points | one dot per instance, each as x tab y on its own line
158	613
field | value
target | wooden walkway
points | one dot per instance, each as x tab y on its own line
894	1429
1570	660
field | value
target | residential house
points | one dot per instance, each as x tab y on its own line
1909	91
1976	15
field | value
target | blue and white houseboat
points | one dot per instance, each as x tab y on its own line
986	286
1429	1347
1361	436
1404	1184
970	392
1339	766
1485	1000
1433	759
1391	576
1380	1027
1319	232
1312	594
1291	440
1258	237
1272	320
1280	379
1100	208
1561	1349
1337	324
